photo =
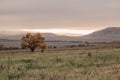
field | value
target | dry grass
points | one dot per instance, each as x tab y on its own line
103	64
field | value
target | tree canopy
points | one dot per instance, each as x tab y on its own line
33	41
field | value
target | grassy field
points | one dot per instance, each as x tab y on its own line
102	64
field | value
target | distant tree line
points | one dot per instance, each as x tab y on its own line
2	47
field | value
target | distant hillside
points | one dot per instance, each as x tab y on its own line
51	36
105	35
48	36
15	40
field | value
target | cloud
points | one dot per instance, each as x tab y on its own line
59	13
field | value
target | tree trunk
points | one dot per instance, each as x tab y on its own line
42	50
32	49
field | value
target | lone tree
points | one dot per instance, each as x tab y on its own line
33	41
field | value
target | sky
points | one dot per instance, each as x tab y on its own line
70	16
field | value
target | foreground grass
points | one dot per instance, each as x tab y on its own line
63	65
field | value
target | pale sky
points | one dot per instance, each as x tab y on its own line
59	14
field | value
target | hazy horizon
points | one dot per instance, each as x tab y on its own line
61	32
59	16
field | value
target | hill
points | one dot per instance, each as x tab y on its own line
51	39
48	36
110	34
